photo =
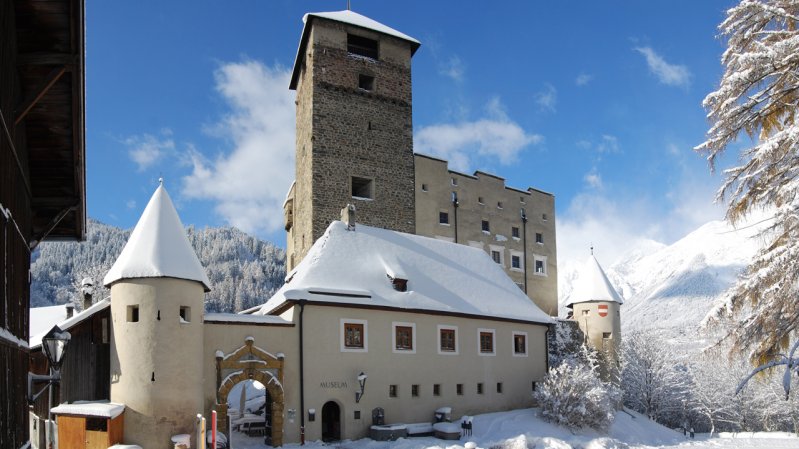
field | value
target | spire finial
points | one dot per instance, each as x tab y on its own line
592	249
160	181
348	6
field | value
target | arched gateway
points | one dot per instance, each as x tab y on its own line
250	362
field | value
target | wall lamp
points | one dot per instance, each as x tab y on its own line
362	384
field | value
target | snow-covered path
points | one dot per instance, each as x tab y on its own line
522	429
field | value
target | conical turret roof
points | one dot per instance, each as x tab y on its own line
158	247
592	284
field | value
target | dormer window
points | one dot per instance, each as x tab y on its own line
362	46
399	284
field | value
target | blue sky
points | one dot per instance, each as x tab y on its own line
596	102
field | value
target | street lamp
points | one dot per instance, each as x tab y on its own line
362	384
54	344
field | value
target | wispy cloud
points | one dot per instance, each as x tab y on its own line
547	98
669	74
607	143
493	137
146	150
453	68
131	204
248	183
583	79
593	179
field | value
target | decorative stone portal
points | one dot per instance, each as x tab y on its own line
250	362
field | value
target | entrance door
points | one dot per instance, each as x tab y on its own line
331	422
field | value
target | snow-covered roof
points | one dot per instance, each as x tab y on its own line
101	409
244	318
350	18
355	268
42	319
158	247
592	284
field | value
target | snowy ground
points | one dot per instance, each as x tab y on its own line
522	429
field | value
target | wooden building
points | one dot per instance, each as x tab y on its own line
42	169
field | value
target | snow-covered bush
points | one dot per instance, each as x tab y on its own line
572	395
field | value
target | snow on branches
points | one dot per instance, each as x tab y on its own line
758	95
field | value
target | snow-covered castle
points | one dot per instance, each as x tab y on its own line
374	322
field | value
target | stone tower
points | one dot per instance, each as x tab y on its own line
157	296
596	307
354	139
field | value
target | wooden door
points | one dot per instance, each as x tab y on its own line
71	432
96	440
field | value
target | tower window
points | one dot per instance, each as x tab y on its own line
544	217
133	314
485	226
607	335
424	187
366	82
392	391
480	200
499	204
436	389
453	181
496	256
185	314
459	389
480	388
415	390
515	262
514	232
363	188
539	237
363	46
443	218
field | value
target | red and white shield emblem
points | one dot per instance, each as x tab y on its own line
603	310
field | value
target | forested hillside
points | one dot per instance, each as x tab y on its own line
243	270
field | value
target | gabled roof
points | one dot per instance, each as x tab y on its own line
350	18
158	247
44	318
355	268
592	284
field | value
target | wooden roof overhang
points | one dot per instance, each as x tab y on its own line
51	114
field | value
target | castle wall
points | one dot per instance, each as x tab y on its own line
156	362
501	207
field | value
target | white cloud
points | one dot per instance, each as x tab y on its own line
131	204
493	137
146	150
547	98
608	144
583	79
670	74
248	184
593	179
453	68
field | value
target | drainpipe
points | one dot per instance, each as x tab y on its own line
524	243
455	205
302	379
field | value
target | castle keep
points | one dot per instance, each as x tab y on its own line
354	145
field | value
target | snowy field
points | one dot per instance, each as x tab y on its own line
522	429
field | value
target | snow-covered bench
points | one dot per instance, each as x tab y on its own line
447	431
420	429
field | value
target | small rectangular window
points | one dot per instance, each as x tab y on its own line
515	262
514	231
366	82
424	187
539	267
499	387
362	188
533	387
133	314
521	199
485	226
392	391
606	335
357	414
453	181
443	217
480	388
544	217
499	204
97	424
436	389
539	237
185	314
486	342
353	335
362	46
415	390
519	344
585	312
447	337
496	256
480	200
459	389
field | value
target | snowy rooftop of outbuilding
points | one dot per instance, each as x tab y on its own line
592	284
158	247
42	319
356	267
85	408
243	318
350	18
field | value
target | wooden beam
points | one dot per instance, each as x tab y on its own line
36	95
45	58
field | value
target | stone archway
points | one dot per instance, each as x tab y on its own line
250	362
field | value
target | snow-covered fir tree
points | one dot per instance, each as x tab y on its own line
244	271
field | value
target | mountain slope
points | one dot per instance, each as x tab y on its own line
243	270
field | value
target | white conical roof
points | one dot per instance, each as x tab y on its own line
592	284
158	247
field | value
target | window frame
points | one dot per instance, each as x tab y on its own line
446	327
483	332
355	48
526	344
366	80
485	226
343	331
369	181
395	326
539	238
501	251
514	232
543	260
443	214
520	256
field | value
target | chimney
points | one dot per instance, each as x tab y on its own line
87	290
348	216
70	310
